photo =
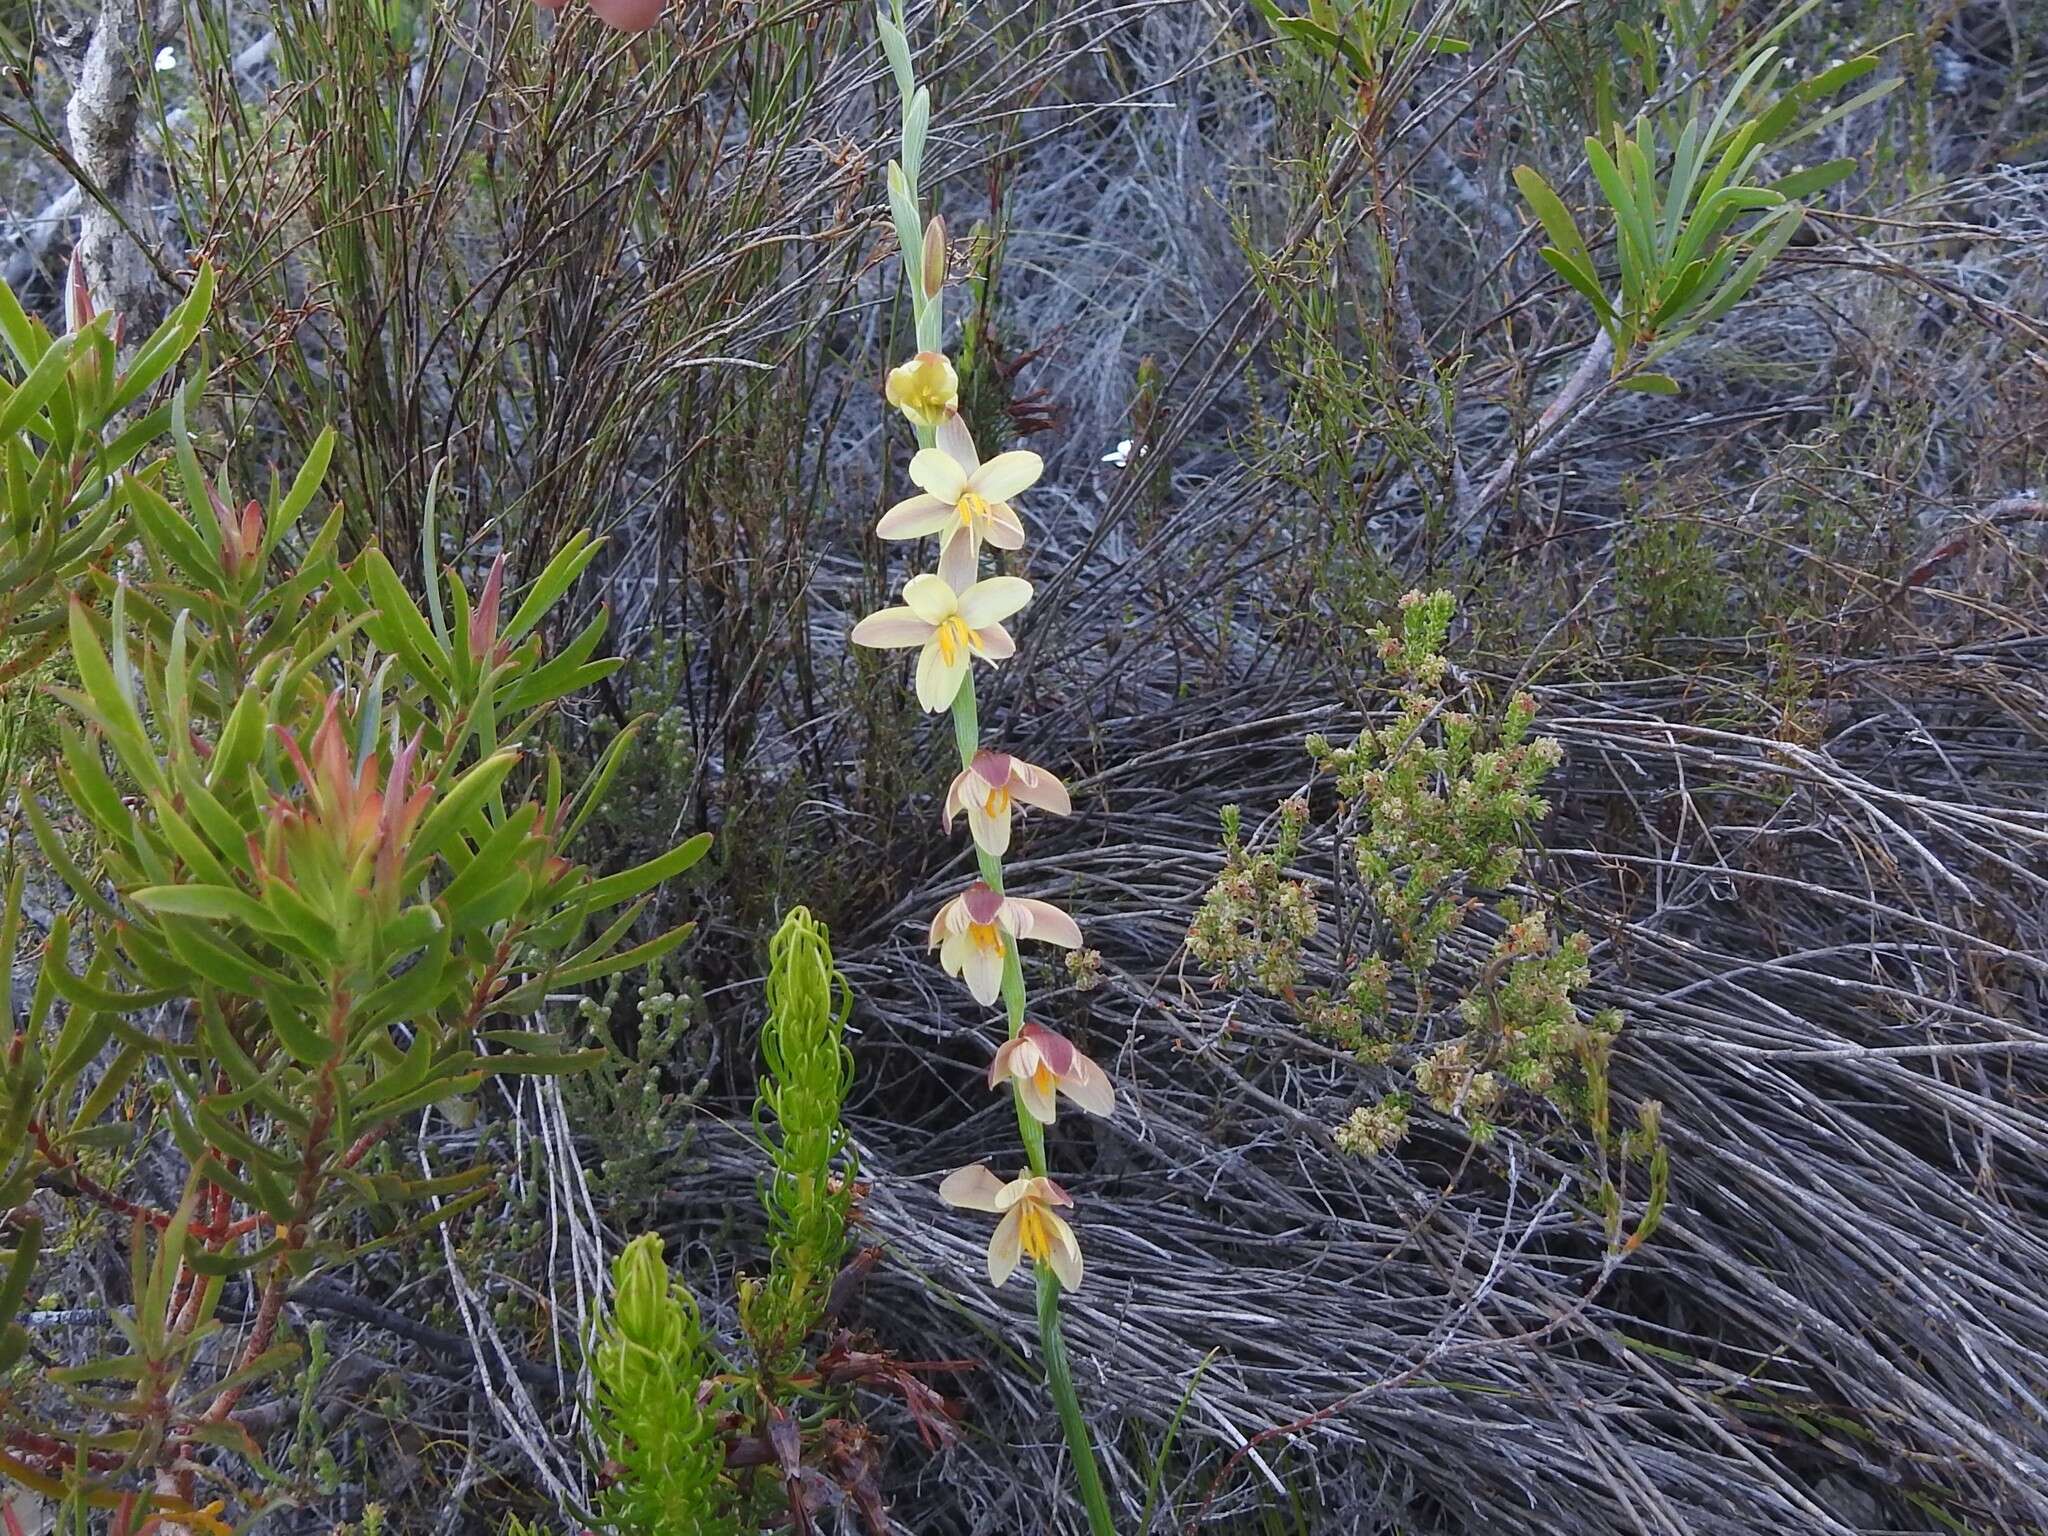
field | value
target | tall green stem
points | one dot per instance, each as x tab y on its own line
1059	1378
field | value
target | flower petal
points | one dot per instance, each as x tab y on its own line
983	973
1002	527
1006	475
991	834
959	559
997	643
1045	922
1089	1087
1056	1048
1037	786
1065	1257
943	924
956	797
930	598
957	442
915	517
1006	1247
891	629
990	602
1037	1099
1049	1192
999	1068
938	680
938	472
973	1188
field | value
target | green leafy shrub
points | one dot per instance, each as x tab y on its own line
1440	803
65	431
683	1426
315	878
798	1116
1683	258
656	1406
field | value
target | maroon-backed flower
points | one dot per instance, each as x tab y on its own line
969	933
1042	1064
987	789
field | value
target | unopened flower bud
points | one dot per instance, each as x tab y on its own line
924	389
483	619
78	305
934	257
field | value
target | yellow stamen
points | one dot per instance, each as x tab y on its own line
998	801
971	507
1034	1231
985	936
953	637
1042	1079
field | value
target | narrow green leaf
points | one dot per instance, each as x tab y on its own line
399	628
640	955
1815	178
1556	219
1767	240
172	340
448	819
298	1034
240	744
587	799
432	1092
305	486
111	704
411	1231
553	582
127	1061
1581	280
198	489
23	408
216	903
25	338
627	884
1632	238
21	1263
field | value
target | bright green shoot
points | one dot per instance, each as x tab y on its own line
1687	248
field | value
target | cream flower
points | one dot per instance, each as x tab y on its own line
926	389
1042	1064
952	625
969	931
988	787
964	499
1030	1226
